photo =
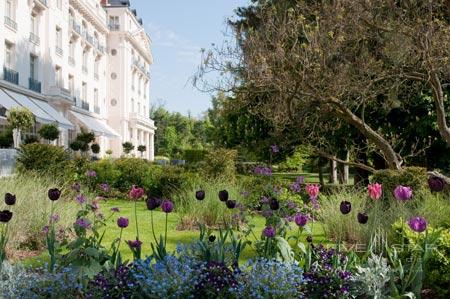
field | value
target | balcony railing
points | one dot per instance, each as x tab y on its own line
71	61
97	109
85	105
84	69
141	67
89	38
10	23
59	51
34	85
96	77
43	2
114	27
10	75
34	39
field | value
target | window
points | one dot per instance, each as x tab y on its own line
33	67
58	77
72	49
114	23
132	105
96	65
131	133
95	97
71	86
139	85
9	9
34	24
139	108
85	61
58	40
9	55
59	4
133	79
84	91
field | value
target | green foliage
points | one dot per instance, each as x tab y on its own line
142	148
20	118
6	138
132	171
75	145
194	155
220	163
127	147
414	177
95	148
297	159
167	181
49	132
42	158
31	139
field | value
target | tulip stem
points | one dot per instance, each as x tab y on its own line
165	237
153	229
135	218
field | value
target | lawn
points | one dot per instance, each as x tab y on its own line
174	236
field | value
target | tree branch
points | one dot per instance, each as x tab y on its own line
355	164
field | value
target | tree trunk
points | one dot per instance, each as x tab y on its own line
392	158
345	169
438	96
361	175
333	172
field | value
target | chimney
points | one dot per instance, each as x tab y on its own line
104	2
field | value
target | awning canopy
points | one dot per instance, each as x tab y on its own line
43	112
95	125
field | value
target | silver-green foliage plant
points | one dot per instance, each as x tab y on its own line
14	280
374	276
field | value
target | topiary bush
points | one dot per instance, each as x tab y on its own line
49	132
414	177
95	148
42	158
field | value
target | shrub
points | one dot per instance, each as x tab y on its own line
20	118
42	158
49	132
194	155
166	181
220	163
127	147
107	172
6	139
31	139
414	177
95	148
133	171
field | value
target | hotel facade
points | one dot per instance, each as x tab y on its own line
83	64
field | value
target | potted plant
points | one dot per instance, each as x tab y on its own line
49	132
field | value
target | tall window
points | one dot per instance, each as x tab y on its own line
59	4
58	77
9	55
71	86
139	85
114	23
58	41
84	91
34	24
96	66
72	49
133	79
33	67
95	97
132	105
9	9
85	61
139	108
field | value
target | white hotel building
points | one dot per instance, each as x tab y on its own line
83	64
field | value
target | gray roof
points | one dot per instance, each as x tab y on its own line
119	2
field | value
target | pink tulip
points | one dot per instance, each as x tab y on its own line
375	191
136	192
312	190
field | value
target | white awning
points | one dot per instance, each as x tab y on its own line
61	120
24	101
42	110
95	125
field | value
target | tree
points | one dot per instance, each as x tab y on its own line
170	140
127	147
341	61
95	148
142	149
19	119
49	132
82	141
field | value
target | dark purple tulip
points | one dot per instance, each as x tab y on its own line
10	199
212	238
436	184
54	194
153	203
134	244
200	195
231	204
300	219
345	207
5	216
269	232
223	195
167	206
418	224
362	218
274	204
122	222
309	239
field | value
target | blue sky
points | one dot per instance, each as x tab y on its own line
179	29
